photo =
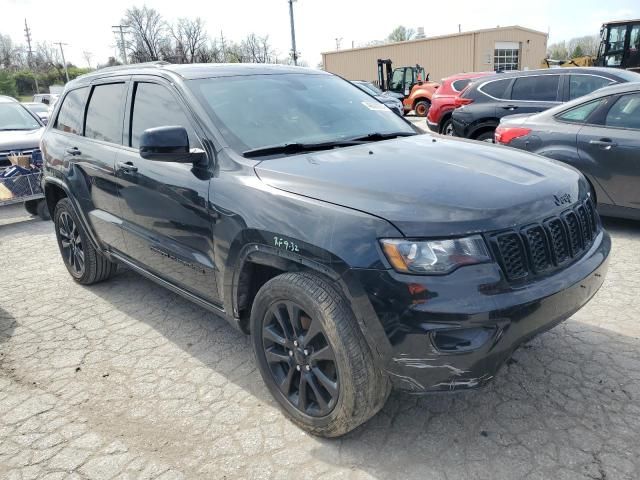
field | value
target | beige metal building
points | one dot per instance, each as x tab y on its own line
507	48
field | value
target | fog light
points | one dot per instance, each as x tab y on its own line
462	339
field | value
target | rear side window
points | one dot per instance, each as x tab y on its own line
540	88
581	113
496	89
155	106
72	111
580	85
625	113
460	85
104	113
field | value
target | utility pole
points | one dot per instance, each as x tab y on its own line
294	51
122	46
27	33
64	62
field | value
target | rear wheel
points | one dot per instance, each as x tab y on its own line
447	127
421	108
313	356
486	137
85	264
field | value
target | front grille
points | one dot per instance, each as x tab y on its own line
543	247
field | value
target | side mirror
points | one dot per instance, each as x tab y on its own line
168	144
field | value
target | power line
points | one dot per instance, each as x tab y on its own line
122	46
27	33
64	62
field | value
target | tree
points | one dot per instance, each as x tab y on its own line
147	31
7	84
577	52
256	49
7	51
401	34
558	51
190	37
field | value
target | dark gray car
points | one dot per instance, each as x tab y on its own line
383	97
599	134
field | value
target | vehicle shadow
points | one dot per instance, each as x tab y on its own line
7	326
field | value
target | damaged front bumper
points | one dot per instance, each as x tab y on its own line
455	331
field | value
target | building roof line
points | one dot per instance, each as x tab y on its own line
449	35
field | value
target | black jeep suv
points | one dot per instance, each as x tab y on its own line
488	99
357	253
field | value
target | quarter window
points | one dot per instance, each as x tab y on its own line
496	89
580	85
72	111
104	113
625	113
460	85
154	106
541	88
581	113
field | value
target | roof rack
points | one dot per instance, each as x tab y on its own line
116	68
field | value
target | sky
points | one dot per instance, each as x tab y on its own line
85	25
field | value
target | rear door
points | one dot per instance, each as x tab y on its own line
532	94
94	153
613	147
164	205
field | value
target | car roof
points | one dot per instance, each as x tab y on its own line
6	99
196	70
615	73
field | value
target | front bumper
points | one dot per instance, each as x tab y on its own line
417	311
434	127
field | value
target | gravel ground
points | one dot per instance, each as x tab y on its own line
127	380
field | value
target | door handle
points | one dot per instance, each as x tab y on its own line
127	167
510	107
604	143
73	151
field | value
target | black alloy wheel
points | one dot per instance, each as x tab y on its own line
301	360
71	244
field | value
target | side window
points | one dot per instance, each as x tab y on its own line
496	89
540	88
105	112
625	113
460	85
581	113
155	106
72	111
580	85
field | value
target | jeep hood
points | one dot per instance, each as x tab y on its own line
20	139
428	185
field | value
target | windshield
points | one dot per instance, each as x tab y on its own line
369	88
14	116
37	107
256	111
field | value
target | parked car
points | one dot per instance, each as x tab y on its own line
40	109
443	101
357	253
20	130
599	134
46	98
487	100
390	101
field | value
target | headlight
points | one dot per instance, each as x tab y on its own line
435	256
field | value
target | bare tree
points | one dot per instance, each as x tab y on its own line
8	51
401	34
256	49
87	57
210	53
190	37
147	31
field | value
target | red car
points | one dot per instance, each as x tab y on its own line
443	101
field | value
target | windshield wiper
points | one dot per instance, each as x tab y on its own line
376	136
298	147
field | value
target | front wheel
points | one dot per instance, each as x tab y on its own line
422	108
447	128
313	356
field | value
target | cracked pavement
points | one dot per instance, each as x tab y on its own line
127	380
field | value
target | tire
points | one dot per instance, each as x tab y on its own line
356	388
422	108
447	128
31	206
42	210
486	137
74	244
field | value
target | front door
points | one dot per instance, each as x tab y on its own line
164	205
614	148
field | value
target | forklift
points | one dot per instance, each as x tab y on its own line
409	84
